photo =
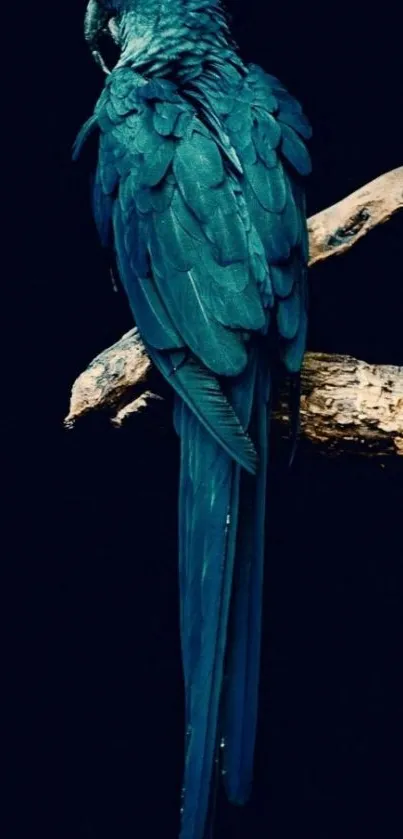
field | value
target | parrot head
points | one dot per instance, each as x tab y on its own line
151	32
102	24
117	23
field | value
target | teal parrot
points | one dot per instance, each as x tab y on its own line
198	194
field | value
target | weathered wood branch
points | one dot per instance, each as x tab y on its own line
335	230
346	404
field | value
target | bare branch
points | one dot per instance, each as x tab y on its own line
345	402
335	230
347	405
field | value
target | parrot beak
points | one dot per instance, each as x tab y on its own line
95	25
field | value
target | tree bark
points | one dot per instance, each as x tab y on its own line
335	230
346	404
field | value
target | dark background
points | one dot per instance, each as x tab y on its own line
92	670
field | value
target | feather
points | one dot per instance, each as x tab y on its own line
156	164
198	167
147	140
208	493
87	129
293	351
185	298
268	185
291	219
186	219
283	277
295	151
227	233
203	394
165	117
151	317
182	124
266	134
287	102
270	229
297	121
288	314
237	311
102	206
240	699
175	246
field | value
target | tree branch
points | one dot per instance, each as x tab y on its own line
346	404
335	230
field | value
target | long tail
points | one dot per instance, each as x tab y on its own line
240	700
208	509
214	550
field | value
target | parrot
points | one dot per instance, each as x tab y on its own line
198	195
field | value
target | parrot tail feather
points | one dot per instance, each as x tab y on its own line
240	699
208	513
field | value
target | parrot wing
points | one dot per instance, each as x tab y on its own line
184	244
268	130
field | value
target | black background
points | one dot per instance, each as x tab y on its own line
92	663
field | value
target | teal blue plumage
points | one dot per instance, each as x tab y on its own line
199	187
